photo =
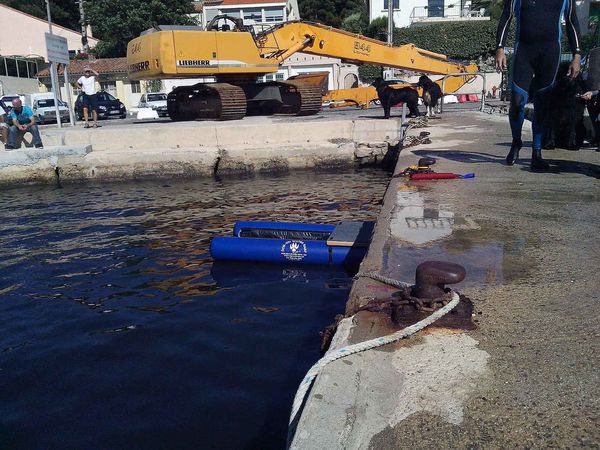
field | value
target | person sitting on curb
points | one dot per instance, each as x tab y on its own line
23	121
88	84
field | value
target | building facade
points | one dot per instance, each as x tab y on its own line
23	49
415	12
259	13
418	12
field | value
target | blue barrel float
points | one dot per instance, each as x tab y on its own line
295	243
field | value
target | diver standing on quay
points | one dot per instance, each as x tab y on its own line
537	56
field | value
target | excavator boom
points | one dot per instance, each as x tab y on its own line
286	39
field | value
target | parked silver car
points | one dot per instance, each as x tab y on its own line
157	101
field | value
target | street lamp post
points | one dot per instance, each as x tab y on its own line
390	32
389	71
84	37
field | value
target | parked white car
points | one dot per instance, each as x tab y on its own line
156	101
45	110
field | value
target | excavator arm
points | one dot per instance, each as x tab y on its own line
284	40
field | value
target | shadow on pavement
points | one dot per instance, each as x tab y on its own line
392	116
466	157
526	144
146	121
560	166
557	166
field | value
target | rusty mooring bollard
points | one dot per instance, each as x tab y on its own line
432	276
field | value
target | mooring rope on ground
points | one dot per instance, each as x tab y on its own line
383	279
367	345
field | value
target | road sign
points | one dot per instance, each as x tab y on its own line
57	48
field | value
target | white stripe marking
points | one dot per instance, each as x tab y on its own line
572	26
512	5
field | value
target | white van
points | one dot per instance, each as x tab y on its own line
42	105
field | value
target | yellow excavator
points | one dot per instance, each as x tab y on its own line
234	56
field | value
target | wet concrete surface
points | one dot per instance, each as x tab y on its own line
532	255
527	377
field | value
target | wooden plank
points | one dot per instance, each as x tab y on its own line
351	234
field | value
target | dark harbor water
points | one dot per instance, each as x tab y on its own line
117	332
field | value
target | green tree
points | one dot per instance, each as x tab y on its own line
322	11
368	72
64	12
494	8
345	8
378	29
330	12
116	22
153	86
357	22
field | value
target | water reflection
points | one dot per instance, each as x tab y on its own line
418	221
234	274
423	230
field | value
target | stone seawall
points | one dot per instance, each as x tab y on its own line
168	149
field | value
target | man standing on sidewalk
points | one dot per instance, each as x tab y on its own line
88	84
537	55
23	121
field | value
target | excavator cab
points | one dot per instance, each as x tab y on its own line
231	24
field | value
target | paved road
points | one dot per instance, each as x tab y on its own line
341	113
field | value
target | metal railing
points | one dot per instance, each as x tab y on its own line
422	13
482	92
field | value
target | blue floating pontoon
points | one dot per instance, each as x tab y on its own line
295	243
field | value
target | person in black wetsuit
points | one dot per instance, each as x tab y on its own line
537	56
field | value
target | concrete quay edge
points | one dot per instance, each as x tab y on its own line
356	398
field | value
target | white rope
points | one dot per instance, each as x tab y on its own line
386	280
367	345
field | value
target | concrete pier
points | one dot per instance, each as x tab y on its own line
38	165
185	149
527	376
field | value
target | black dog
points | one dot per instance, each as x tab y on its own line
389	96
432	94
565	127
